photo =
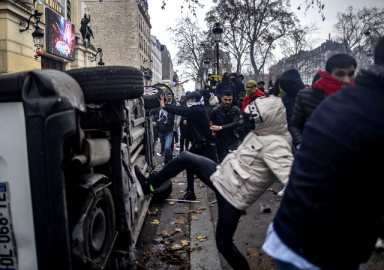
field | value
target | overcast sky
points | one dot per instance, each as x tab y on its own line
162	19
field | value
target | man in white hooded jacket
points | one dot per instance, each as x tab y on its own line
243	176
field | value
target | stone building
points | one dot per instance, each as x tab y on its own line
62	47
157	69
167	66
122	29
308	63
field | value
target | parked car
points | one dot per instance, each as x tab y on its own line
69	198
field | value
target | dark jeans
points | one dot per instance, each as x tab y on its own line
228	215
184	138
223	149
166	139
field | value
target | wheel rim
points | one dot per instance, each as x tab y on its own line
98	228
148	91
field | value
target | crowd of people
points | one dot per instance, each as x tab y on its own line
324	142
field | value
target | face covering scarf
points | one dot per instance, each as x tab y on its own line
190	104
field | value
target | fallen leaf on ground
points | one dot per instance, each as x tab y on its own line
241	220
270	189
171	203
152	213
155	222
165	234
194	218
191	211
181	221
255	225
176	246
178	230
202	238
277	200
181	191
201	185
201	208
195	249
185	242
199	212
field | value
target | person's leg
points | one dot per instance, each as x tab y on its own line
226	226
222	151
199	165
168	138
162	141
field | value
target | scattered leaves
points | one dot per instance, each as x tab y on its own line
201	208
152	213
241	220
191	211
178	230
194	218
165	234
270	189
155	222
171	203
195	249
255	225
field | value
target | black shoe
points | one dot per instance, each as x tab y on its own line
189	196
144	182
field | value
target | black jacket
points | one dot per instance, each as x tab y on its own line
332	211
306	102
221	87
229	120
197	122
165	121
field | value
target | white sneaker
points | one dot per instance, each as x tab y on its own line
281	192
158	154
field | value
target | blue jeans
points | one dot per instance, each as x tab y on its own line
166	139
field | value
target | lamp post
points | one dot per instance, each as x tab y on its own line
217	31
207	63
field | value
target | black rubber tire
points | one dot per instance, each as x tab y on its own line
162	192
151	97
166	87
109	83
101	209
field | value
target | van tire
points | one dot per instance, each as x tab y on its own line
109	83
151	97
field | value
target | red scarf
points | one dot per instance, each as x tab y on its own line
329	83
246	100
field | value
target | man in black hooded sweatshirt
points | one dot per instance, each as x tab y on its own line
290	82
226	84
199	130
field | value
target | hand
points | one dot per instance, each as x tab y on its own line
162	102
154	124
241	116
215	128
177	125
185	122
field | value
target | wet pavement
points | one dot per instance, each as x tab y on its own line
179	235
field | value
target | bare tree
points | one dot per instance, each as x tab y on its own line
357	28
233	34
187	36
264	23
295	45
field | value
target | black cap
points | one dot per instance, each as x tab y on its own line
261	82
192	95
234	74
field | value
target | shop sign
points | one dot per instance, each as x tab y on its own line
58	6
60	36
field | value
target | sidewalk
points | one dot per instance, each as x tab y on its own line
178	235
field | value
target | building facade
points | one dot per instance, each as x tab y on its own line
157	66
62	47
122	29
308	63
167	66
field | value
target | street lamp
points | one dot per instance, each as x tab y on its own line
38	35
93	57
207	63
217	31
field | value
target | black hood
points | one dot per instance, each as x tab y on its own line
291	82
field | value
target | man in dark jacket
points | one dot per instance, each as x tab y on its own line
239	86
199	129
339	71
290	82
164	123
225	119
332	211
226	84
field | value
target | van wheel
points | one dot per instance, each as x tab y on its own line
109	83
151	97
162	192
98	226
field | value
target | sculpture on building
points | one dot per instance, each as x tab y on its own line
85	30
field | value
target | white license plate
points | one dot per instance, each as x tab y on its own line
8	256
